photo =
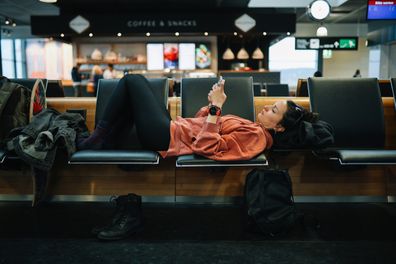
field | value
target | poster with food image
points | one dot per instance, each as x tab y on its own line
203	56
171	55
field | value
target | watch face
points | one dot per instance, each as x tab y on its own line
319	10
213	110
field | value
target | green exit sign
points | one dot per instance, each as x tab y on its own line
347	43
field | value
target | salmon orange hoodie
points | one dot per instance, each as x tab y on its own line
231	138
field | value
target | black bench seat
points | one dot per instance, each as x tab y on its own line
114	157
199	161
354	107
128	154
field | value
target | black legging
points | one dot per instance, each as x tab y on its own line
152	120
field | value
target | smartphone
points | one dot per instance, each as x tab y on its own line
220	80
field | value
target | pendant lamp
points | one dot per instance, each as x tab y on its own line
257	54
228	54
242	54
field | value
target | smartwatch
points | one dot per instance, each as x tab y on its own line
214	110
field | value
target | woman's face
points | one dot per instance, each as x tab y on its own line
271	115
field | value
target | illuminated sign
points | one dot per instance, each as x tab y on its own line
326	43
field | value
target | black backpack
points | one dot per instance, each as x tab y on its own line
14	107
269	201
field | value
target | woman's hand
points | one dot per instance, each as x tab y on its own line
217	96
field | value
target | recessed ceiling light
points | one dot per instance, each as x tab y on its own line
265	33
48	1
62	35
90	35
288	33
206	33
235	33
177	34
119	34
148	34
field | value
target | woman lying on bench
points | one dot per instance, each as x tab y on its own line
222	138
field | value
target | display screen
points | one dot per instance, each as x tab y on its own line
203	56
187	56
155	56
378	10
171	55
182	56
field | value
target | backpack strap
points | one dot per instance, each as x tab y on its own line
6	91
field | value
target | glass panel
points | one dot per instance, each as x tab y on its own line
18	58
8	69
7	52
293	64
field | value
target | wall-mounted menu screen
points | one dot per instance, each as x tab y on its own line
378	10
203	56
182	56
187	56
171	55
155	56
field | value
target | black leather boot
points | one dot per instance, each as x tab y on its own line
120	203
128	223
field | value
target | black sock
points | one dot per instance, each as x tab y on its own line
97	138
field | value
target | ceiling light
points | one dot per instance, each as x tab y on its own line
321	31
7	21
228	54
288	33
319	10
90	35
265	33
62	35
148	34
206	33
48	1
242	54
13	24
119	34
235	33
177	34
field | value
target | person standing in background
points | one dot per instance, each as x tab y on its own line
76	78
96	75
357	74
109	73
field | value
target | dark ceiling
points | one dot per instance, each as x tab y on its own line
352	11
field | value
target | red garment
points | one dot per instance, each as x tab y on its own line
231	138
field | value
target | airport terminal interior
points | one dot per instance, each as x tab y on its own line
197	131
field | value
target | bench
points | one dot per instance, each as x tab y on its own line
194	94
354	107
314	180
128	156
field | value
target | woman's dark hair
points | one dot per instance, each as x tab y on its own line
296	114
